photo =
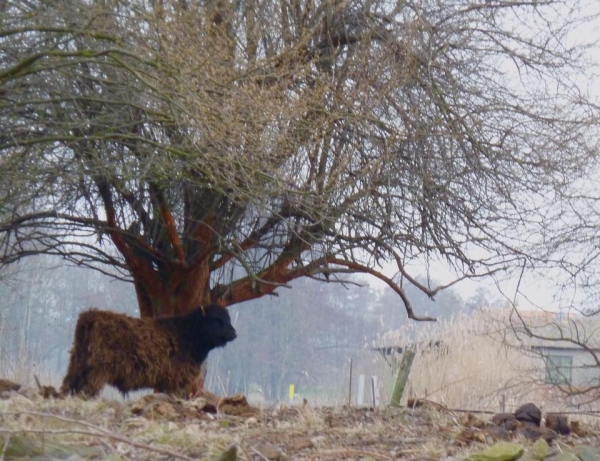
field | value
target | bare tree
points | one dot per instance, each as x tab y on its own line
215	151
560	352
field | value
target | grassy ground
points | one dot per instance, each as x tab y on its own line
158	427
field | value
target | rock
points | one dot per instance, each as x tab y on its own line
529	413
502	451
588	454
558	423
497	433
228	455
20	446
506	420
564	456
533	432
28	446
539	450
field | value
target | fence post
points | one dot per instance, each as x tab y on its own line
402	377
350	386
360	397
375	391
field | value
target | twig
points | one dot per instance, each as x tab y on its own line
8	431
595	413
100	432
477	412
346	451
259	454
222	385
5	447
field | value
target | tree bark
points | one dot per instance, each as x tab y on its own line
179	291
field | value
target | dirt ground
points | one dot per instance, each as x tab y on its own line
160	427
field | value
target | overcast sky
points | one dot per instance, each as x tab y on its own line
541	290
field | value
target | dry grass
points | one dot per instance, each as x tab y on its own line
107	429
474	366
102	428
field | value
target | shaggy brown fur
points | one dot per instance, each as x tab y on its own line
164	354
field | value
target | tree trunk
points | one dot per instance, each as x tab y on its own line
173	292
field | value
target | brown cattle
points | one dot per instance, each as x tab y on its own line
164	354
